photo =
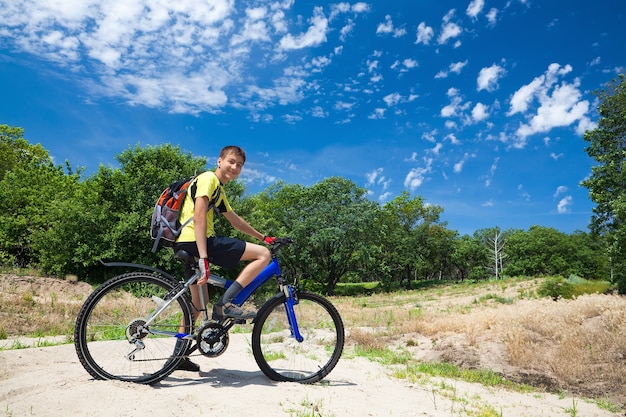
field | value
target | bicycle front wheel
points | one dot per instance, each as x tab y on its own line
113	338
280	356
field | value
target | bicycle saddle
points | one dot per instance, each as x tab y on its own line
184	256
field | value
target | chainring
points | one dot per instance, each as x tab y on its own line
212	340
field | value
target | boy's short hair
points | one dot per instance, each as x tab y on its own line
234	149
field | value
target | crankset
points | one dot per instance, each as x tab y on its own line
212	339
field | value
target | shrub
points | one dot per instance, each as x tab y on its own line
556	287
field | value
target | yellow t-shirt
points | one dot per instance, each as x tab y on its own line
206	185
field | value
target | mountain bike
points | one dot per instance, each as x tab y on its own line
139	325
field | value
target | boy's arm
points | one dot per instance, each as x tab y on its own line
241	225
199	225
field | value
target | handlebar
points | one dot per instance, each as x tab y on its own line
279	243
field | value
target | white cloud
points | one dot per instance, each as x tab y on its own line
489	76
360	7
385	196
492	16
564	204
184	56
452	138
558	105
455	67
318	111
255	176
376	178
561	189
474	8
492	171
388	28
416	176
372	176
449	31
436	149
410	63
458	167
315	35
392	99
524	96
424	34
456	108
377	114
480	112
346	30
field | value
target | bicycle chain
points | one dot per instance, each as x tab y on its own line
164	359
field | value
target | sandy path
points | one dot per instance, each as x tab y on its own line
51	382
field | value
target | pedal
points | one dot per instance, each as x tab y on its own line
240	321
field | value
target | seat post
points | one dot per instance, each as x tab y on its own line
204	302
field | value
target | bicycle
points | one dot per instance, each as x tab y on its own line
139	325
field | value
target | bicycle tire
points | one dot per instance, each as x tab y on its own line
112	314
277	353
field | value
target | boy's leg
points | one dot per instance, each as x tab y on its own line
196	301
259	257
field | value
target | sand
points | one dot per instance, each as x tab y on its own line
50	381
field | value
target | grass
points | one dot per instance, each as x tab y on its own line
575	345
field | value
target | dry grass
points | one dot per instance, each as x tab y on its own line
578	346
39	306
569	345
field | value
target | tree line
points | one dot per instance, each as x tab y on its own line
61	223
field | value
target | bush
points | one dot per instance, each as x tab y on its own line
559	287
556	287
357	288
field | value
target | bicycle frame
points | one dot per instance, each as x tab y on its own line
142	336
271	270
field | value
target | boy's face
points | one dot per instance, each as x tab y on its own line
229	167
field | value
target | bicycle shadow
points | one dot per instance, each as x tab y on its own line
218	377
230	378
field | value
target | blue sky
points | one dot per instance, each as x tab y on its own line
477	106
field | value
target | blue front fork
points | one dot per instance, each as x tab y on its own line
291	316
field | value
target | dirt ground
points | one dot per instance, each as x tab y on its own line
50	381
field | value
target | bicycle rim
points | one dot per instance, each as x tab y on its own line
280	356
111	339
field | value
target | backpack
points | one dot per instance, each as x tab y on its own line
165	226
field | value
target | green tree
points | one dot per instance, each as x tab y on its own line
71	236
15	151
127	196
607	182
332	223
29	181
470	257
26	192
546	251
404	226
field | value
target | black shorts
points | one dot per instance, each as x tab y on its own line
223	251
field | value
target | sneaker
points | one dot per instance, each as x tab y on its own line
187	365
232	311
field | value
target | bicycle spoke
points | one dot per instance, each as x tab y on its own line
112	338
281	357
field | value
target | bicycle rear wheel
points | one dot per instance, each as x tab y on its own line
280	356
112	339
